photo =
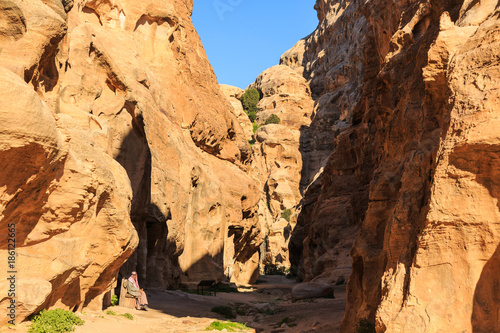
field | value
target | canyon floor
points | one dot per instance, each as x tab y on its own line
177	311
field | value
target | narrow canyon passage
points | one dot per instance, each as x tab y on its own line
364	161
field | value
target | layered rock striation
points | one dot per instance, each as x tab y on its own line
276	160
330	59
117	142
412	177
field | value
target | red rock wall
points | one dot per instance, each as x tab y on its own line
415	170
116	143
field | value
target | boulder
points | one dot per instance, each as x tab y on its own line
308	290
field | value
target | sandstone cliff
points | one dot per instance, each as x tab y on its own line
414	167
116	136
276	163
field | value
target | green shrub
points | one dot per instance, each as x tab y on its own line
286	214
55	321
255	127
250	99
111	313
365	326
128	316
225	311
272	269
227	325
114	300
252	115
273	119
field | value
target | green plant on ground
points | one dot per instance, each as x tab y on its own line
273	119
365	326
114	300
287	214
225	311
111	313
251	142
255	127
272	269
128	316
227	325
54	321
250	99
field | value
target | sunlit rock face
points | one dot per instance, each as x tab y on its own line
330	59
413	176
277	162
117	142
233	94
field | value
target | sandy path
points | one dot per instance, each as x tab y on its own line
264	308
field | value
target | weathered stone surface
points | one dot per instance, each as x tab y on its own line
278	161
276	158
233	94
451	274
67	201
285	94
330	59
414	88
116	136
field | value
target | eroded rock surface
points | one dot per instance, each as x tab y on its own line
330	59
116	136
233	94
277	162
414	85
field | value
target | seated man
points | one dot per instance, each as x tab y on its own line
134	290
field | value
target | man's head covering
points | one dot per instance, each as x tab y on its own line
133	279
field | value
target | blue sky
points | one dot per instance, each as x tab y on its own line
243	38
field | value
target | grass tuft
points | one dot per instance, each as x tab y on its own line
227	325
128	316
